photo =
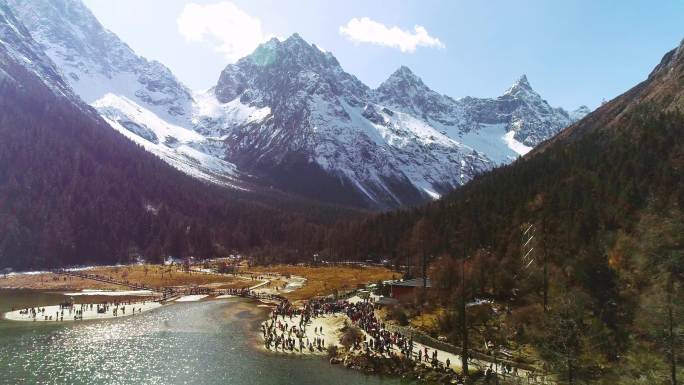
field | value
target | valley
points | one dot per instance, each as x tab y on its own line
292	219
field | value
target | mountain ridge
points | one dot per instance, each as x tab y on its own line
447	120
263	127
664	85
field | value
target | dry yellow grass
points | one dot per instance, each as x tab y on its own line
326	280
49	281
321	281
155	276
427	322
158	276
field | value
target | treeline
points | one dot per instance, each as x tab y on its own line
583	190
608	214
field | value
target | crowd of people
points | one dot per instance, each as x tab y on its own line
289	333
384	342
286	330
77	311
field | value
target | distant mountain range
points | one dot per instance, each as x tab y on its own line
288	117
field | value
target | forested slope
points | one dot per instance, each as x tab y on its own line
72	191
606	200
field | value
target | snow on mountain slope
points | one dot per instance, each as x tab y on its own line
494	141
324	119
291	116
579	113
19	46
95	61
140	98
183	148
531	118
415	143
394	143
215	119
404	91
502	128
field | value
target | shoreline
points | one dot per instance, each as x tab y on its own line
326	328
81	311
350	333
110	303
326	322
284	327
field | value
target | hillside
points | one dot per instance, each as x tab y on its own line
73	191
599	297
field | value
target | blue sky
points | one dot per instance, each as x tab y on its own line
573	52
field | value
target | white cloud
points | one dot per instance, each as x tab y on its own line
235	32
365	30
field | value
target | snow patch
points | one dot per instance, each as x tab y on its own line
180	146
191	298
514	145
110	293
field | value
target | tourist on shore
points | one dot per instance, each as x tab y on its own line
376	340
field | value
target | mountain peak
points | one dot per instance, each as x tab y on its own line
522	81
296	40
293	61
295	37
521	84
405	78
520	87
404	72
579	113
272	41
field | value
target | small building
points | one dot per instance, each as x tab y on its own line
405	290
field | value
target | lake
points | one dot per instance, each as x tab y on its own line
211	342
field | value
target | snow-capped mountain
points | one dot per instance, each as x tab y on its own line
397	144
18	48
579	113
523	111
406	92
323	123
95	61
142	99
289	115
502	128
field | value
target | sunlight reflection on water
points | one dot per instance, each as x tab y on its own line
193	343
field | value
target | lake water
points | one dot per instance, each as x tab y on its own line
208	342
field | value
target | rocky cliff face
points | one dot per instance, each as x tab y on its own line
325	122
396	145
